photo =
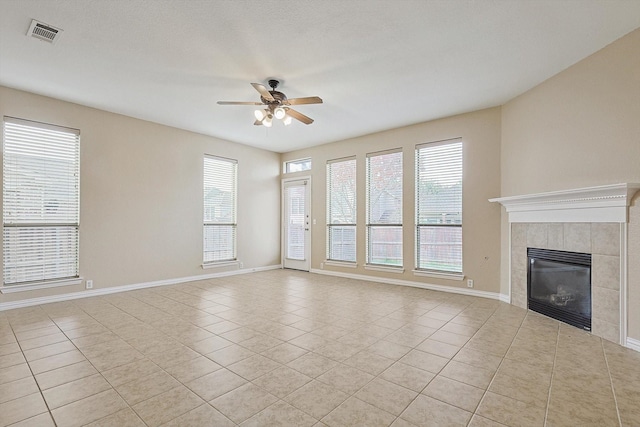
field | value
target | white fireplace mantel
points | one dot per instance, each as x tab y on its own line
606	203
602	204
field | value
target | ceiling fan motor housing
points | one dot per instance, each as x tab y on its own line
279	98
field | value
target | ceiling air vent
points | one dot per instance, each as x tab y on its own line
44	32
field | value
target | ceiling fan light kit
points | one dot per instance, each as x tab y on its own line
279	112
278	105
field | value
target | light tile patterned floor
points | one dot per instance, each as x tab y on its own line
286	348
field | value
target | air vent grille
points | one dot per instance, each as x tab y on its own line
44	32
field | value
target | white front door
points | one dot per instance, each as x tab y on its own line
296	241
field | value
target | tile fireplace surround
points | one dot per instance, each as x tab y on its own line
590	220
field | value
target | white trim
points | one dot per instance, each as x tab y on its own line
221	264
505	298
384	268
309	197
439	275
115	289
400	282
623	283
40	285
633	344
334	263
606	203
509	262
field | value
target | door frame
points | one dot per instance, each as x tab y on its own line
283	217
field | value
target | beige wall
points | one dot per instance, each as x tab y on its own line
141	195
580	128
480	132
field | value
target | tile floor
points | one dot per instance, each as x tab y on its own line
285	348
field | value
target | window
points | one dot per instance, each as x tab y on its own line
297	165
41	202
341	210
384	208
220	193
439	206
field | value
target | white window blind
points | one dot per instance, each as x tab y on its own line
439	206
220	194
41	202
384	208
341	210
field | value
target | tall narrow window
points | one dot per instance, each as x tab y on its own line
341	210
439	206
41	202
384	208
220	193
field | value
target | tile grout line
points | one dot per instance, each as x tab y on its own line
553	371
33	376
450	359
419	393
613	389
145	356
86	359
124	305
94	367
201	355
498	368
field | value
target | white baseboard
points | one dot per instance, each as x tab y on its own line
114	289
633	344
505	298
400	282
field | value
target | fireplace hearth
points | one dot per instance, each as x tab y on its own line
559	285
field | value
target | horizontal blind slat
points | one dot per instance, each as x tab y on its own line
341	210
384	208
219	200
41	172
439	206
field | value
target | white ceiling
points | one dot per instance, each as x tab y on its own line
378	64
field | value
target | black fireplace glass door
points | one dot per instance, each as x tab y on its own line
562	286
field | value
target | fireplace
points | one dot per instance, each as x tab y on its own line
559	285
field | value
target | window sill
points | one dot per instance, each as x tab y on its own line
346	264
384	268
439	275
222	264
40	285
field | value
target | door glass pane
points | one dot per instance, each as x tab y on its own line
295	205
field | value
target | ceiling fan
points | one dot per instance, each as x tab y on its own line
277	105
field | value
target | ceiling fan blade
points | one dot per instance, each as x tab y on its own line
257	123
263	91
238	103
299	116
306	100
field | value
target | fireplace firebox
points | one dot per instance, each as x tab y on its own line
559	285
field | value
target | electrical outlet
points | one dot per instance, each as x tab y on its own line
89	284
470	283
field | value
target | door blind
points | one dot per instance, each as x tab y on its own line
41	201
439	206
341	210
220	194
295	200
